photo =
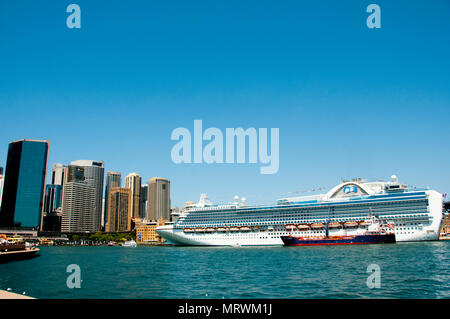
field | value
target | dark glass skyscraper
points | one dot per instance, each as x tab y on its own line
23	191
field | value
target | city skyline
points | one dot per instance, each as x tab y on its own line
341	94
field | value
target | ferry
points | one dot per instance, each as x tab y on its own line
16	250
416	215
377	233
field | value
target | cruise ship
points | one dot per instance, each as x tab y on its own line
416	215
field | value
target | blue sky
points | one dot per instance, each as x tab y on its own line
349	101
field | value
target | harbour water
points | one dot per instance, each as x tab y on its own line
408	270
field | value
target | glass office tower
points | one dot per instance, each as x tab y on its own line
23	190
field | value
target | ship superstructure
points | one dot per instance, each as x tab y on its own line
415	213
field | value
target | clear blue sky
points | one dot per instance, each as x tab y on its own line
349	101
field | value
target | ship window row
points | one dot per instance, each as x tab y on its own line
337	207
302	216
416	217
342	210
316	214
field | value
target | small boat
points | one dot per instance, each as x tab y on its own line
290	227
45	242
222	229
234	228
199	230
129	243
210	229
245	228
317	225
188	230
377	233
112	243
303	227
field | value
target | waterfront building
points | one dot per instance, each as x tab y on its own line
144	201
78	201
158	199
24	184
53	198
133	182
446	224
58	174
2	180
113	179
94	174
52	208
119	210
146	232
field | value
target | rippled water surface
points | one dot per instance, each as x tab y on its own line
408	270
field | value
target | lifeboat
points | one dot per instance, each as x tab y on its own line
234	228
210	229
290	227
188	230
221	229
350	224
199	230
303	227
363	223
334	225
317	225
245	228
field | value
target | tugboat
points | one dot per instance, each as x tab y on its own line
10	251
377	233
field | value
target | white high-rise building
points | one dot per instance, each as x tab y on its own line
58	174
94	172
78	201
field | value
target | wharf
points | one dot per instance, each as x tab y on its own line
6	256
11	295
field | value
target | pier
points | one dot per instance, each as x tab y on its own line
6	256
11	295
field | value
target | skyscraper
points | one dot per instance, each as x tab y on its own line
57	174
133	182
94	174
113	179
1	189
158	199
78	201
53	198
119	210
143	199
23	191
